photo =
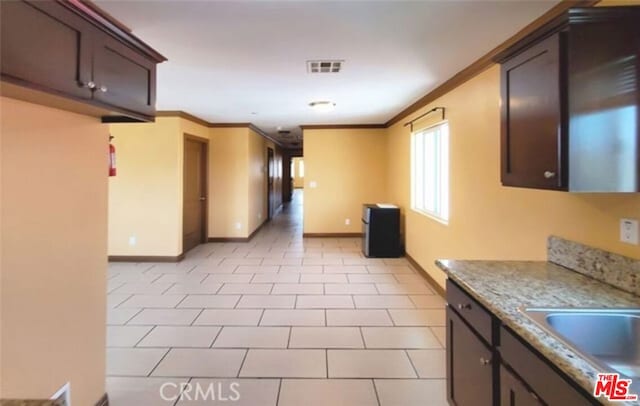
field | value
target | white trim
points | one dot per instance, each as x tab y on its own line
440	173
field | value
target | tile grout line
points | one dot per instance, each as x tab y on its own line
121	303
197	317
160	361
144	336
246	354
217	335
182	391
180	301
364	342
406	351
168	289
279	389
261	317
326	358
375	389
132	317
393	322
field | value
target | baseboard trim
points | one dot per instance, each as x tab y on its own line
439	290
228	239
331	235
104	401
238	239
145	258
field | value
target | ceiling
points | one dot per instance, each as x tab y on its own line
245	61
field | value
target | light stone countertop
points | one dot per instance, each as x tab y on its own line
504	286
27	402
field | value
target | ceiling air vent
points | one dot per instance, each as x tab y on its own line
334	66
284	133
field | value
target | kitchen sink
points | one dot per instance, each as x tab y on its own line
608	338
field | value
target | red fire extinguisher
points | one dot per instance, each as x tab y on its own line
112	158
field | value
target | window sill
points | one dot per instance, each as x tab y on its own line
431	216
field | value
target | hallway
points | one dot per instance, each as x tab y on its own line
279	320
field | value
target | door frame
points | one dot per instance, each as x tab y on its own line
205	183
270	180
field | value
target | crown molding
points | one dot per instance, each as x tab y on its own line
182	114
341	126
198	120
471	71
487	60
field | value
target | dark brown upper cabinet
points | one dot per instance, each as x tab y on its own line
122	77
570	104
71	54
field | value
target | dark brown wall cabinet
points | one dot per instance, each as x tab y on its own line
571	104
488	365
73	50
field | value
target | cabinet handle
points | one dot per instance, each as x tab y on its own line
88	85
549	174
484	361
104	89
466	306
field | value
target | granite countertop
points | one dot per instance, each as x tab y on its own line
503	286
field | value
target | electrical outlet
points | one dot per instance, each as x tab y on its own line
238	226
347	222
133	240
313	184
629	231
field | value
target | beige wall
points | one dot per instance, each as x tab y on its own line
489	221
228	179
257	193
54	250
145	198
349	167
298	181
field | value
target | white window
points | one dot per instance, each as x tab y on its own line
430	171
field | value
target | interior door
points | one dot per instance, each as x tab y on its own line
270	178
194	193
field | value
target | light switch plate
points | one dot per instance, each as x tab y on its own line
629	231
313	184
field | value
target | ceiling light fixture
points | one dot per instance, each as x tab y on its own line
322	106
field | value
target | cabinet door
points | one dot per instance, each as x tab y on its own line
514	393
45	47
469	365
533	126
123	77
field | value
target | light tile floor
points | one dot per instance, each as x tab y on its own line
280	320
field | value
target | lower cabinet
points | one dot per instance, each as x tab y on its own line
469	365
490	365
513	392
